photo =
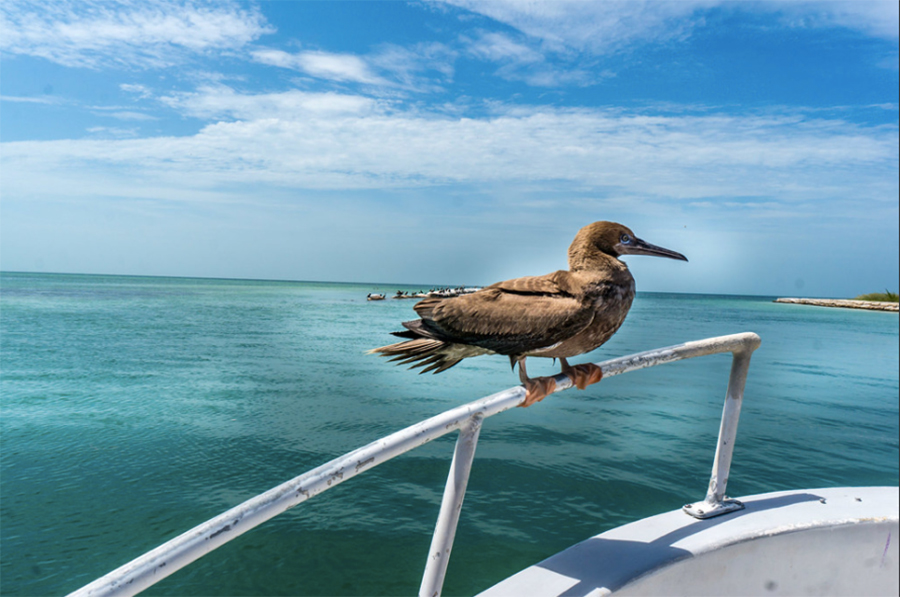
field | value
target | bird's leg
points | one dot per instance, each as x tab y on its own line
535	389
582	375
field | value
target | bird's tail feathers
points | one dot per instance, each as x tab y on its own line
431	354
405	334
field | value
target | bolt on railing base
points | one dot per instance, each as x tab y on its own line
708	510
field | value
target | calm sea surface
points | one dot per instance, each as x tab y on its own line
135	408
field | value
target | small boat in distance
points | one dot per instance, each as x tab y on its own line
372	296
446	292
434	292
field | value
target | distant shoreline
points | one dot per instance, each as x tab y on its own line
843	303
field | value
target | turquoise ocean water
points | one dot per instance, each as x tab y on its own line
135	408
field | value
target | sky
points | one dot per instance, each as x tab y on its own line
452	142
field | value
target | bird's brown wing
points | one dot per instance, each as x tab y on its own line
558	283
510	317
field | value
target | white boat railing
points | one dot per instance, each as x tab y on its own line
153	566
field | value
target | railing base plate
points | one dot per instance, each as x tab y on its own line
707	510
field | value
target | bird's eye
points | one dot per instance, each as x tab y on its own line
625	239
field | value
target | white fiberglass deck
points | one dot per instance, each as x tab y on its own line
837	541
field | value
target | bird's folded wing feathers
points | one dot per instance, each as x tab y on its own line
510	317
556	284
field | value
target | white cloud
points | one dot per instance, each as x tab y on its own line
30	100
141	91
323	65
591	26
125	33
130	115
111	132
409	67
121	113
333	141
600	27
520	62
390	66
556	40
216	102
878	18
499	47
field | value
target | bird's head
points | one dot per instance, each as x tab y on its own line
614	240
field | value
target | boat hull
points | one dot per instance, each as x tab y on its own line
836	541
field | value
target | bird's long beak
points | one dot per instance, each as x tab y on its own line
640	247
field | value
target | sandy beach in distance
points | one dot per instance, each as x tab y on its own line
845	303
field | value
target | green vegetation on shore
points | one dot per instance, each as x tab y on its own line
887	297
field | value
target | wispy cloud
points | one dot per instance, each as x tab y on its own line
499	47
556	43
130	115
125	33
324	65
30	99
390	66
520	61
140	91
220	102
591	26
877	18
121	113
107	132
601	27
419	67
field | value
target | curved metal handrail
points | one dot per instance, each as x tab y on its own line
177	553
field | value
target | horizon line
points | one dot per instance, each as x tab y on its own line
365	283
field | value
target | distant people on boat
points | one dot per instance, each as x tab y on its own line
444	292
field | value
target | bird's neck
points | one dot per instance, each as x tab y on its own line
590	258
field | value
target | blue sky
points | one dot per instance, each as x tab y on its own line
452	142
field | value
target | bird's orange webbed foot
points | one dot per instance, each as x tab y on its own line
584	375
537	389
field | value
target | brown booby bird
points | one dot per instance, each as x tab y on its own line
558	315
